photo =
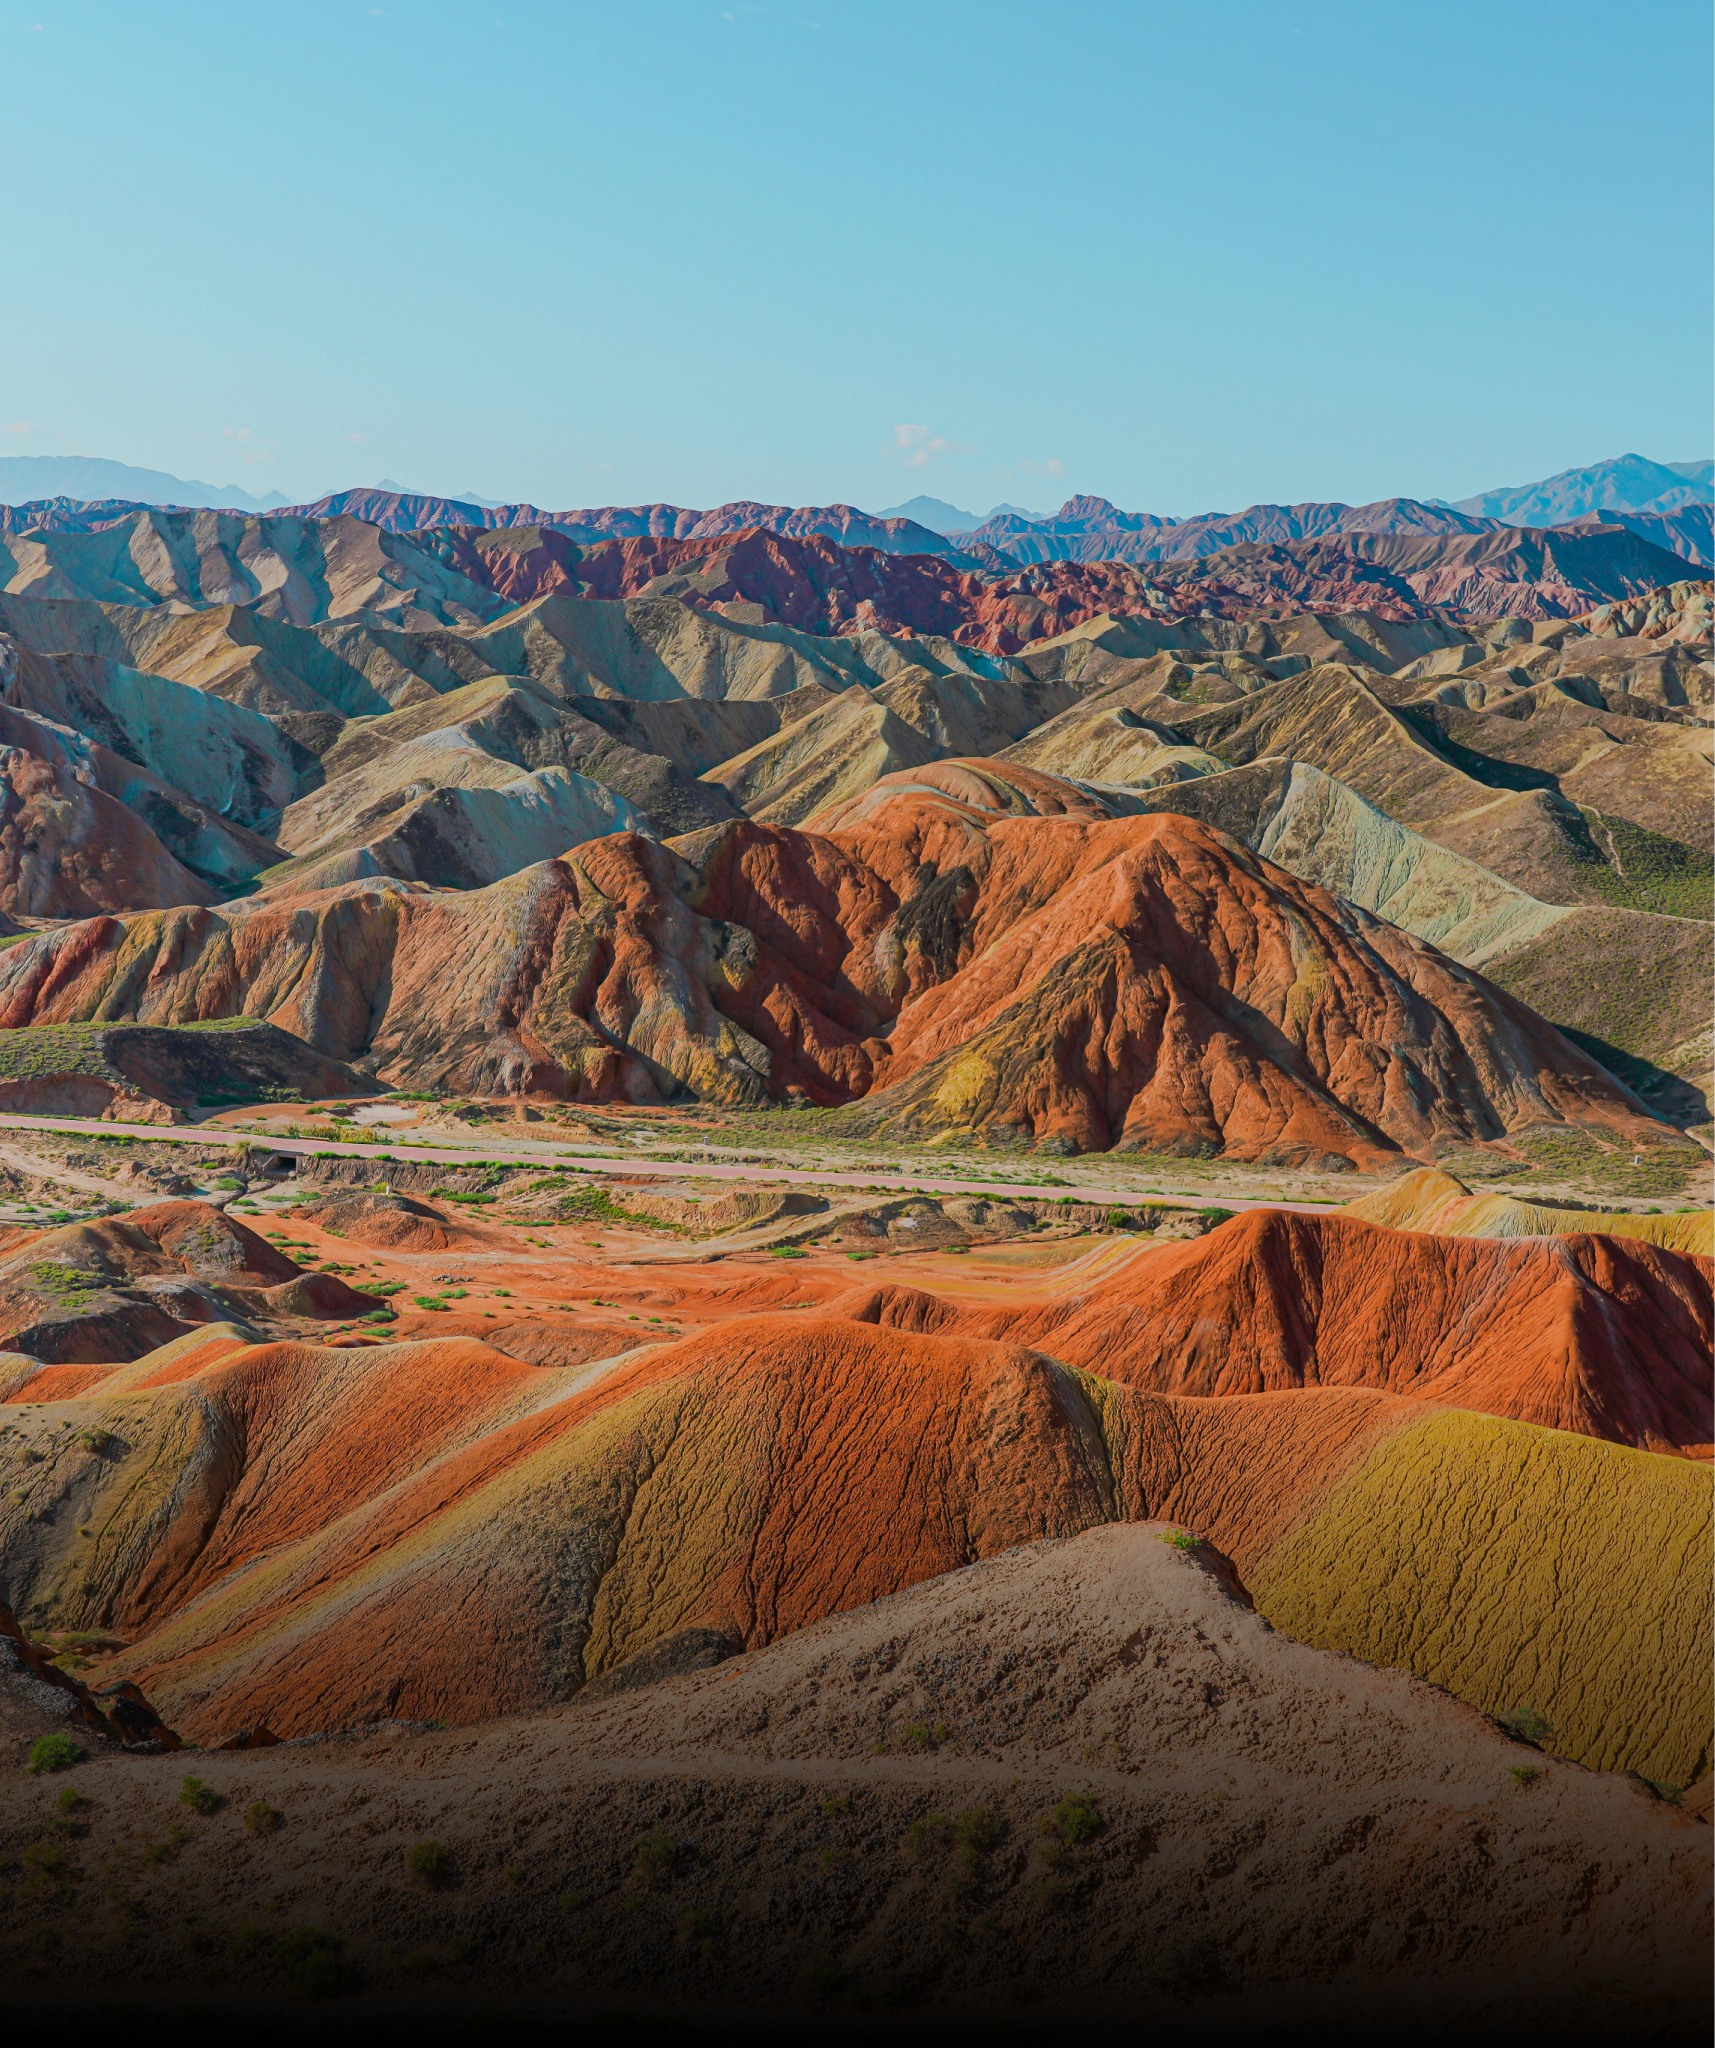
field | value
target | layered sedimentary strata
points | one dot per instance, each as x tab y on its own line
1002	965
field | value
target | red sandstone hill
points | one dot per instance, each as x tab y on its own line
1059	980
1605	1336
820	585
283	1528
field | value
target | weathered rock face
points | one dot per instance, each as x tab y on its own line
954	955
36	1690
67	847
1677	611
295	569
83	1095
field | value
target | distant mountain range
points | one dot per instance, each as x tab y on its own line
1629	483
27	478
1667	504
941	517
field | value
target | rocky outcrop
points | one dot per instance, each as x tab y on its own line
35	1686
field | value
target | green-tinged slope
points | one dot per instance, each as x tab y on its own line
1527	1570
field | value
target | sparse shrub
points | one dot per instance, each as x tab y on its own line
249	1944
842	1804
1669	1791
98	1440
656	1860
314	1964
924	1735
981	1830
1526	1723
167	1850
200	1798
513	1875
430	1864
46	1880
262	1819
789	1251
70	1800
1523	1774
932	1831
699	1930
53	1753
1182	1539
1077	1820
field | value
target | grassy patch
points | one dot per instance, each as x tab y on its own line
656	1860
1643	870
1556	1154
431	1864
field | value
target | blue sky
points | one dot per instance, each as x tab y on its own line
1186	256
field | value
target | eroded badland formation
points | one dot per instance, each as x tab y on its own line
750	1263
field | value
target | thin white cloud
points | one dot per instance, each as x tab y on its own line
921	445
235	433
1052	467
24	427
357	437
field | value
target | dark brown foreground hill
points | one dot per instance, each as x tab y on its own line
1073	1786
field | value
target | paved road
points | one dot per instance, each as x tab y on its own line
546	1156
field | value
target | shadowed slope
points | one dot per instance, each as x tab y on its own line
1324	1842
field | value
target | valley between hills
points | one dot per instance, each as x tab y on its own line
747	1267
